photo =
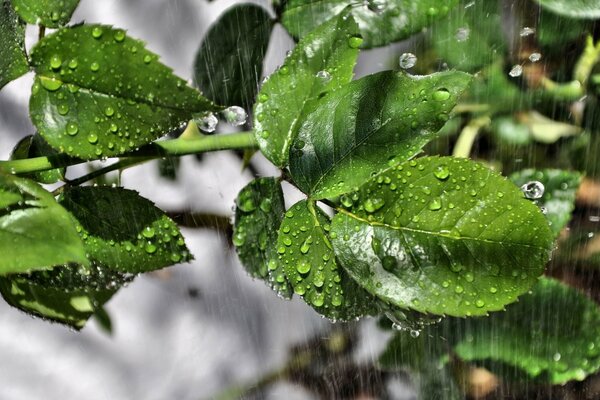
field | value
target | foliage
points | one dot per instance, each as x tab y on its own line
382	230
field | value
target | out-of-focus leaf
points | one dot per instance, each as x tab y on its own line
442	235
368	125
583	9
99	93
381	21
322	61
229	62
13	61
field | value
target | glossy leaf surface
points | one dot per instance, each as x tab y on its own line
369	125
381	23
35	232
560	190
124	231
229	63
311	268
99	93
68	294
442	235
13	61
258	215
584	9
50	13
322	61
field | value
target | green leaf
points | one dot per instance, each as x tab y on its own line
229	62
368	125
559	194
383	22
124	231
13	61
322	61
99	93
69	294
552	334
50	13
581	9
35	232
442	235
258	215
311	267
470	37
35	146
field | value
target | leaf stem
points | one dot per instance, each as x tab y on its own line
159	149
467	136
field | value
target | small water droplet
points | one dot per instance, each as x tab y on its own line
535	57
435	204
516	71
441	172
150	248
462	34
373	204
533	190
324	76
207	122
55	62
407	60
148	232
526	31
95	67
355	41
97	32
119	36
92	138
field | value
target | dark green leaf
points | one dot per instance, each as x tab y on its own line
552	333
99	93
583	9
322	61
124	231
35	232
13	61
442	235
368	125
36	146
50	13
381	23
69	294
258	215
470	37
311	267
559	193
229	62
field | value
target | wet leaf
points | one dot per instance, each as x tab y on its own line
99	93
35	146
124	231
322	61
552	334
583	9
258	215
381	21
442	235
560	189
310	265
35	232
50	13
68	294
369	125
13	61
229	62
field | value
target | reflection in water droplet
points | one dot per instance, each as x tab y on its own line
516	71
462	34
235	115
533	190
407	60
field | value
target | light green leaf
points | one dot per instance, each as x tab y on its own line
442	235
311	268
68	294
229	62
13	61
258	215
99	93
552	334
322	61
381	22
124	231
369	125
35	232
50	13
581	9
559	194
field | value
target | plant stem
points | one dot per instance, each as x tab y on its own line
159	149
121	164
467	137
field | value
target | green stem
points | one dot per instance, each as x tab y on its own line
121	164
467	136
159	149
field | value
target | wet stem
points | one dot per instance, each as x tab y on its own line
173	147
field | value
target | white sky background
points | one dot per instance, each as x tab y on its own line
166	345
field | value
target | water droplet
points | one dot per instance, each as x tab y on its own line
346	201
533	190
324	76
147	59
441	172
374	204
235	115
73	63
72	129
535	57
55	62
389	263
407	60
355	41
556	357
414	333
148	232
435	204
50	84
306	245
441	95
63	109
479	303
97	32
303	267
459	289
109	111
92	138
265	205
462	34
526	31
207	122
150	248
516	71
119	36
95	67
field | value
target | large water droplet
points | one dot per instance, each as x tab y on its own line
516	71
324	76
441	95
207	122
373	204
235	115
533	190
441	172
355	41
407	60
526	31
535	57
55	62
